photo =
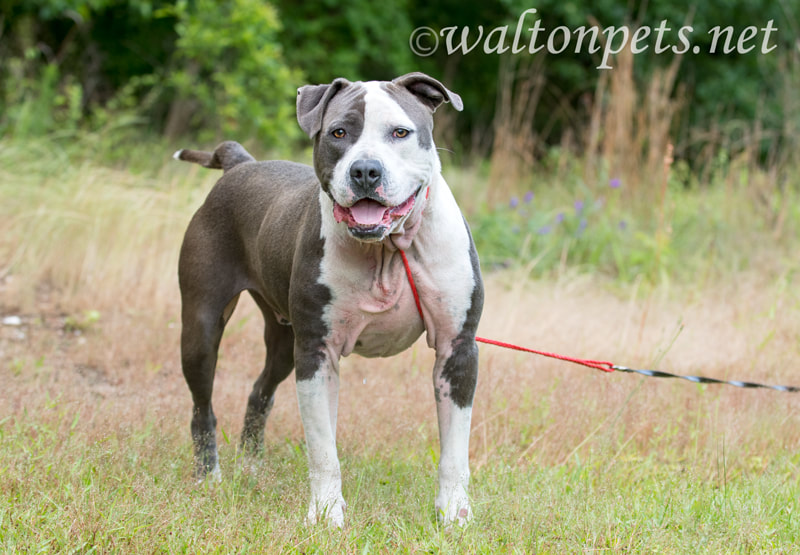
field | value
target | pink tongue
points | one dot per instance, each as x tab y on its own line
368	212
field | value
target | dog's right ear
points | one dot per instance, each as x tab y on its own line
311	103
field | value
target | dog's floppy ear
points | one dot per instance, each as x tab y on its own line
428	90
311	103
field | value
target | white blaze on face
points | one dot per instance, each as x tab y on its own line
406	165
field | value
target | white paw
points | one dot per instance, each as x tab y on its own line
330	510
252	465
212	477
454	508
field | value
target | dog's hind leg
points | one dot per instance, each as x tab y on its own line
210	283
279	340
200	338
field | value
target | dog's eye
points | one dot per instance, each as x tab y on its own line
400	133
339	133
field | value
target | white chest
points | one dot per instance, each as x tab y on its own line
373	312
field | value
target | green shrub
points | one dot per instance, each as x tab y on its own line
230	79
710	231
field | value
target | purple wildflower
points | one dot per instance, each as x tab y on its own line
582	226
623	225
544	230
615	183
578	206
559	217
528	197
514	202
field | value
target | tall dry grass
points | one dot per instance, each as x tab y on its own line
624	130
92	236
631	129
515	141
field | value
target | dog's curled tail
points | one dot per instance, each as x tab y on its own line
224	157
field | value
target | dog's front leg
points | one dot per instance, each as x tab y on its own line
454	379
318	397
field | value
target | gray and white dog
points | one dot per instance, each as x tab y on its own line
320	252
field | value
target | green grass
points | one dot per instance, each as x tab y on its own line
713	230
128	491
94	435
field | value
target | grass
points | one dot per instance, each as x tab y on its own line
628	206
129	493
94	435
555	221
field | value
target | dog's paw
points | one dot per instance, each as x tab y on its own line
210	478
251	465
454	508
330	511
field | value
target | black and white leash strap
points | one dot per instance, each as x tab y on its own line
701	379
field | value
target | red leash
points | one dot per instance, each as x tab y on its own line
596	364
602	364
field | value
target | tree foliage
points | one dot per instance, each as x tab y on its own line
232	75
230	69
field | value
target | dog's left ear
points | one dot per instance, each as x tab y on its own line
312	101
428	90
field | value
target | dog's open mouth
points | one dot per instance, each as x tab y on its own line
368	218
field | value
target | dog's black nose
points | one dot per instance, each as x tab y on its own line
366	175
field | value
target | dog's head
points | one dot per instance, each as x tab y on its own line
373	147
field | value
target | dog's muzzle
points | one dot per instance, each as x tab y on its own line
370	220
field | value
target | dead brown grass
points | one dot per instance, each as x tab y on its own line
729	332
124	370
